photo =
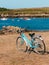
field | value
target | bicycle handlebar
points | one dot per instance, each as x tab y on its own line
20	30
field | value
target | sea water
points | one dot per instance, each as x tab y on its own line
41	24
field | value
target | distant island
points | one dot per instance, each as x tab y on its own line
25	12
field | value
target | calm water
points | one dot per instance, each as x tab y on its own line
31	24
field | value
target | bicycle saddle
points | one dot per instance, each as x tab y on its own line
31	35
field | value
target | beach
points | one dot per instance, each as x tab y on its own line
9	55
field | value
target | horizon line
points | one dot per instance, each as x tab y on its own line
24	8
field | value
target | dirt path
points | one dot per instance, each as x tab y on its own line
9	55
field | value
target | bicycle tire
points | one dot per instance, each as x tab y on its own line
40	50
20	44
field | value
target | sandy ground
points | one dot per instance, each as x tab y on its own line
9	55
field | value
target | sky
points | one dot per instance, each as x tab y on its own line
15	4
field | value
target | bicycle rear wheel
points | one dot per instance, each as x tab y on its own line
20	44
40	47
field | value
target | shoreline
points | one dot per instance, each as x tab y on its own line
26	16
14	29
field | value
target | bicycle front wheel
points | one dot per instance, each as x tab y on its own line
40	47
20	44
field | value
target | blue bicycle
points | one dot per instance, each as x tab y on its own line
36	43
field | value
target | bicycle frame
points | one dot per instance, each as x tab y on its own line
36	42
28	42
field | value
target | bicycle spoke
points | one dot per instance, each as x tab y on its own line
40	46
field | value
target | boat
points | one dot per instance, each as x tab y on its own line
27	18
3	18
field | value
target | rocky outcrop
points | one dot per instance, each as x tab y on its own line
10	29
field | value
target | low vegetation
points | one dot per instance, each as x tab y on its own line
31	11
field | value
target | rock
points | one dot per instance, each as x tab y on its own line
11	29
